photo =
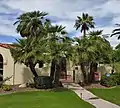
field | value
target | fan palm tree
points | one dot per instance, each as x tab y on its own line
96	33
91	50
84	23
43	41
59	48
116	31
30	24
29	52
102	47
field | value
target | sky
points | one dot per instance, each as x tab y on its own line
106	14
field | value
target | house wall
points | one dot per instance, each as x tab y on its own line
7	64
24	75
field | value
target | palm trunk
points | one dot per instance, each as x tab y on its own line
84	73
57	74
91	78
84	33
63	67
93	68
32	68
52	71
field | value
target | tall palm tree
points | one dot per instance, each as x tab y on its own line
84	23
30	24
116	31
44	42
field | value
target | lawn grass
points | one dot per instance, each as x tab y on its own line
43	99
112	95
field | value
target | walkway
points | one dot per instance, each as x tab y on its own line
89	97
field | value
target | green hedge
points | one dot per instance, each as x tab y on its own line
112	80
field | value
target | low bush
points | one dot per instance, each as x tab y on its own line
117	76
6	87
43	82
112	80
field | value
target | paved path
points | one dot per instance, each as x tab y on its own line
89	97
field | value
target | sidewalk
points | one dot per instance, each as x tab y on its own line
89	97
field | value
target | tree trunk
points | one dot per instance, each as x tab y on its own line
32	68
93	68
84	33
52	71
63	67
57	74
84	73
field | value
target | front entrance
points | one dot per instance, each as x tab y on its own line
1	67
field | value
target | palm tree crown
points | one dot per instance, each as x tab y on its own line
30	23
85	22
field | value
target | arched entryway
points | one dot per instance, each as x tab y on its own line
1	67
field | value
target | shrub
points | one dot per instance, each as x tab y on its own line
117	76
112	80
43	82
6	87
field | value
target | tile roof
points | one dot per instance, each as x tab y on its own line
5	45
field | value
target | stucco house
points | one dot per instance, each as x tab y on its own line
22	74
19	72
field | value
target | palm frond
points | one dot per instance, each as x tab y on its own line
116	30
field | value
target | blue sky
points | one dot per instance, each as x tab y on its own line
106	14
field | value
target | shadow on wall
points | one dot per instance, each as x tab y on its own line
28	76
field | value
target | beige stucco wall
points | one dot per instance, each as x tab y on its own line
24	75
7	64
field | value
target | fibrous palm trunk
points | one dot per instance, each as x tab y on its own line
57	74
93	68
84	73
32	68
84	33
52	71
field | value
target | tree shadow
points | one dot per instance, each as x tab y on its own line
60	89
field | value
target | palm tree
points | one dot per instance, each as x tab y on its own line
29	52
90	51
59	45
116	31
44	42
102	50
84	23
31	24
95	33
